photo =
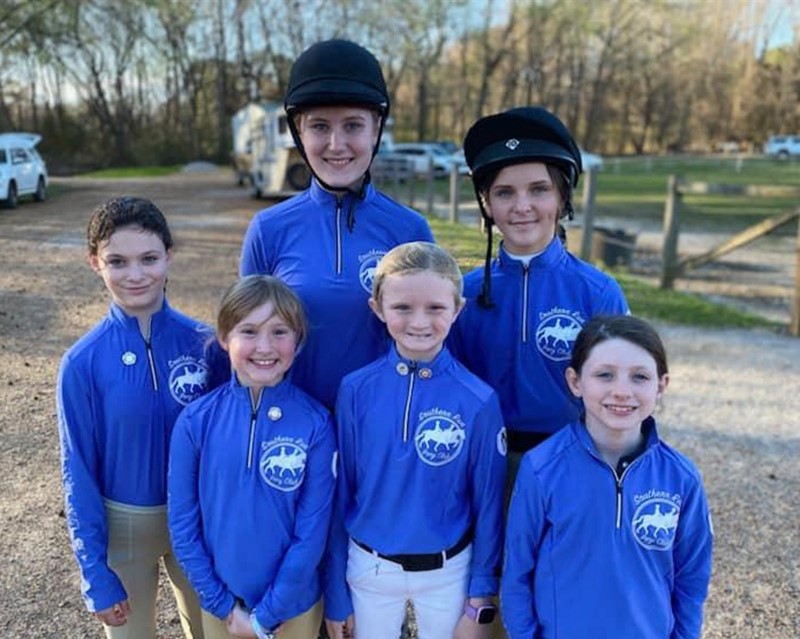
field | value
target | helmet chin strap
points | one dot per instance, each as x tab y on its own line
485	296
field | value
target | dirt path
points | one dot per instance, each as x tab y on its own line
733	406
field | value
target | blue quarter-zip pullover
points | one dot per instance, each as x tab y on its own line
118	396
250	496
422	444
305	242
522	345
592	551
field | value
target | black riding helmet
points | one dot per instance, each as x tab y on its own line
523	134
336	73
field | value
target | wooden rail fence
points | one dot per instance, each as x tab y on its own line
674	266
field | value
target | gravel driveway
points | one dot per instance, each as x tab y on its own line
733	405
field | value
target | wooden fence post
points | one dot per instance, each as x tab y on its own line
454	193
794	324
412	187
672	221
430	187
589	192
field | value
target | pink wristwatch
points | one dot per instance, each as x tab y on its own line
481	614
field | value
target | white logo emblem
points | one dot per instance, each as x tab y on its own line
556	334
654	523
439	439
512	144
283	463
187	379
128	358
366	272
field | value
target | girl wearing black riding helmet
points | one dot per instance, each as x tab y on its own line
326	241
337	105
525	307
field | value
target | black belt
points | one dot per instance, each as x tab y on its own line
520	441
420	562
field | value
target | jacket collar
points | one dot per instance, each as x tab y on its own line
270	395
648	429
327	198
551	256
423	370
119	316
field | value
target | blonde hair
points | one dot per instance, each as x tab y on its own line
416	257
253	291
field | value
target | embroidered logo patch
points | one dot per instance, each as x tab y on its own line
439	437
556	333
366	271
283	463
655	521
188	379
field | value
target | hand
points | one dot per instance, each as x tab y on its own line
468	629
116	615
341	629
238	623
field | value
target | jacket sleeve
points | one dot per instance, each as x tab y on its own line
338	605
301	563
425	233
488	464
81	462
185	519
525	527
254	258
692	560
613	300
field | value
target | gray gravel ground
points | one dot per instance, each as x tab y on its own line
733	406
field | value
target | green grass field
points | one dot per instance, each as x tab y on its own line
637	187
134	172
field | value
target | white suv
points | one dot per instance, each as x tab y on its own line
22	170
423	154
782	146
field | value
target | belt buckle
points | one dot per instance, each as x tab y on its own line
422	563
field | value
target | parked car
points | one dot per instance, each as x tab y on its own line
457	157
423	154
391	166
448	146
22	170
782	146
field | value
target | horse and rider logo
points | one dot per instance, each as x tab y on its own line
655	522
439	440
282	464
556	334
366	272
188	380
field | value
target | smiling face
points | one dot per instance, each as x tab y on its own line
619	385
525	204
133	264
261	347
339	142
418	309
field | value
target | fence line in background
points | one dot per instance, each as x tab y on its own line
673	267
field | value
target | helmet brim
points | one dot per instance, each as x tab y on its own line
503	153
336	91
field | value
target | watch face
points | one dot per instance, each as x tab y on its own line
485	614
